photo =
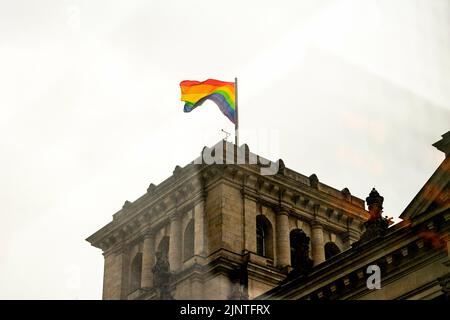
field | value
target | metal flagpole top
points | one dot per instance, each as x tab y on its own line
236	123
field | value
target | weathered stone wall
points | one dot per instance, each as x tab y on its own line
223	202
114	275
416	285
214	219
232	226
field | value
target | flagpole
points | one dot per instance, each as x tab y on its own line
236	124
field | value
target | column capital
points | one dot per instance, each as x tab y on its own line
316	224
148	233
280	210
201	200
175	215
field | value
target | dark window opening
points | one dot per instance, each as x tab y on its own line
136	272
299	243
264	237
163	246
189	241
331	249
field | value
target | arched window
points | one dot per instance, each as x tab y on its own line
188	248
299	243
331	249
163	246
264	237
260	240
136	271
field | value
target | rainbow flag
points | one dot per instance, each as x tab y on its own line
194	93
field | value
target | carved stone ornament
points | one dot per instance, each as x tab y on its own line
314	181
376	226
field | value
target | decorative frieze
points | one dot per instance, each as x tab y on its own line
420	244
404	251
389	259
346	281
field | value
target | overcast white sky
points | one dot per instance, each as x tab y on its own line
354	91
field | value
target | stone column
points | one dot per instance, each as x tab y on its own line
283	245
148	260
199	229
114	275
318	250
175	243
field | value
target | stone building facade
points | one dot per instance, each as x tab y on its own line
224	230
412	257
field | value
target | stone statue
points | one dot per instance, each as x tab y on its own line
376	225
314	181
302	263
375	204
161	276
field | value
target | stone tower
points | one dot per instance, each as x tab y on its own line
229	225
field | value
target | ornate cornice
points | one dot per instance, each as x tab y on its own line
192	182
